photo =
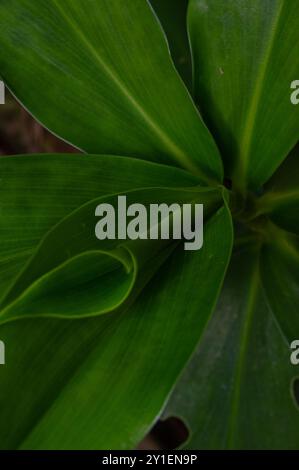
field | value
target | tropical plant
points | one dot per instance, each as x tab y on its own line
99	335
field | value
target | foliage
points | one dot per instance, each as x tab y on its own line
99	335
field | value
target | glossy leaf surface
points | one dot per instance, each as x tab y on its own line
237	392
69	386
38	191
245	59
72	273
112	88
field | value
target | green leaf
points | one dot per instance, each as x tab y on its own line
236	392
281	199
37	191
68	398
112	88
245	59
96	383
280	274
72	273
173	17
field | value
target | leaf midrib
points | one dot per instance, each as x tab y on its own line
178	153
273	200
246	138
236	395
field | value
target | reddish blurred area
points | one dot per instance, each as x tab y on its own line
20	133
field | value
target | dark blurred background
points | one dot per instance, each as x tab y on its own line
20	133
